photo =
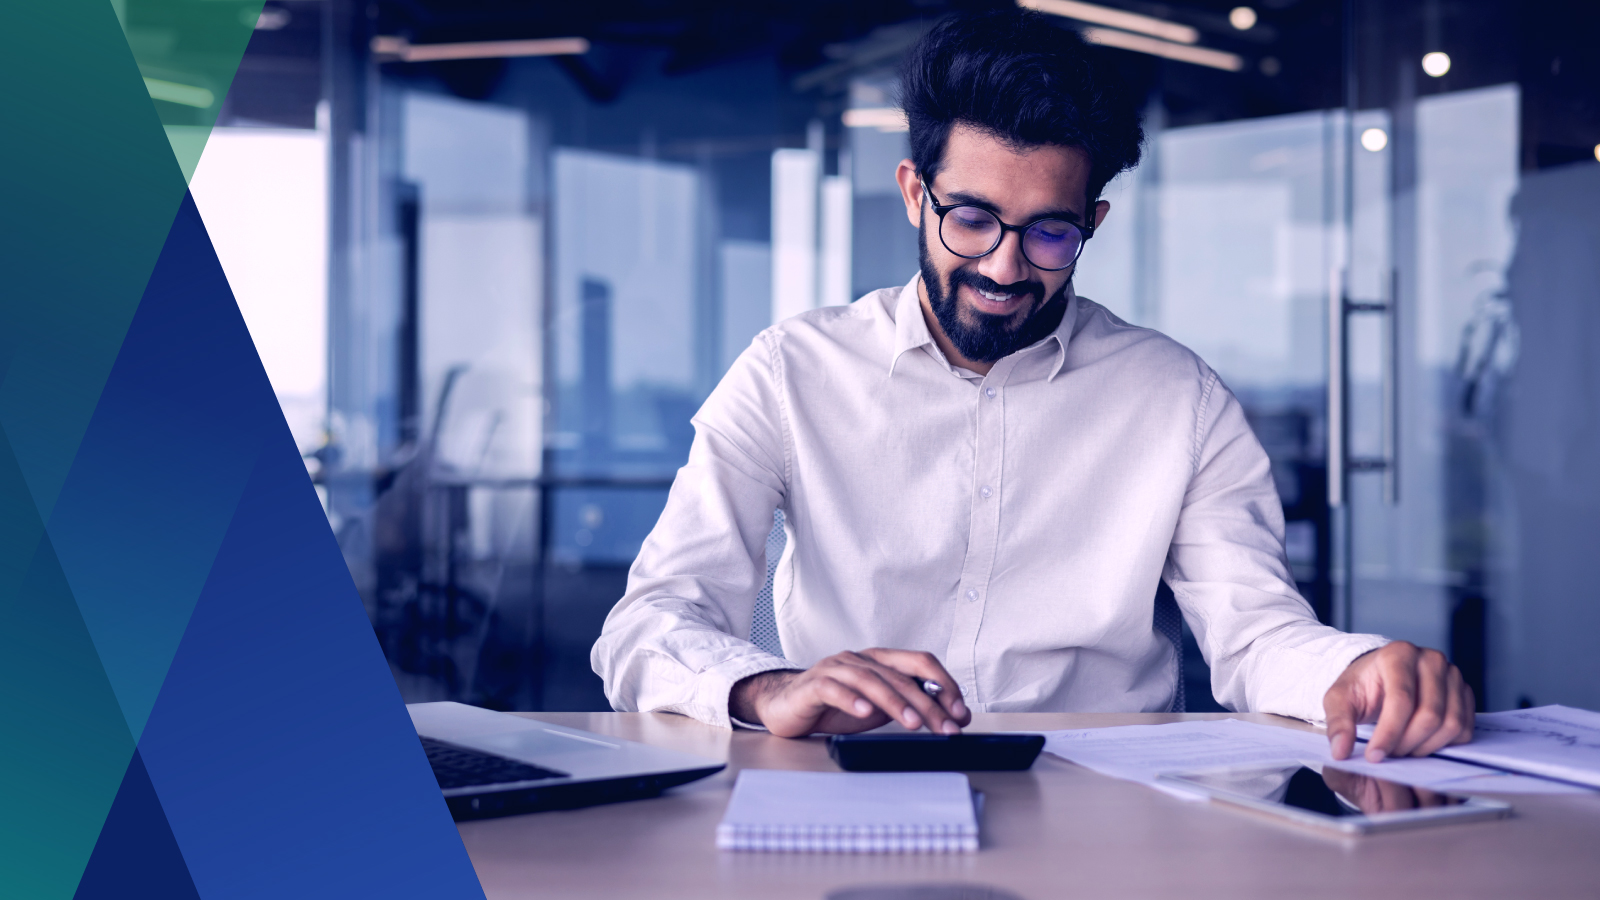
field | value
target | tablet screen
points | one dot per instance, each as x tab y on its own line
1331	792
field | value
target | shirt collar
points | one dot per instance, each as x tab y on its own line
911	329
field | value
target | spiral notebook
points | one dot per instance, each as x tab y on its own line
851	812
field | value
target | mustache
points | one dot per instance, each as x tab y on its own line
982	283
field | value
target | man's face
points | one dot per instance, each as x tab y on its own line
984	305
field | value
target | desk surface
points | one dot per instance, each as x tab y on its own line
1054	831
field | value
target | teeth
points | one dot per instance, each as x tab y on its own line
998	298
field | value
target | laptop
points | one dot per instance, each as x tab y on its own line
496	764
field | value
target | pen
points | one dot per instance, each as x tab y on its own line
931	688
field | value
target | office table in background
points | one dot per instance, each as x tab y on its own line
1056	830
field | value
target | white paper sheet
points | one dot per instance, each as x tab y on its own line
1550	741
1143	752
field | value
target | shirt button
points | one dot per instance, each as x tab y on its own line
986	491
972	596
989	392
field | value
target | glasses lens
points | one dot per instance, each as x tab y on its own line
1052	243
969	231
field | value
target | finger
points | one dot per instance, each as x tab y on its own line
925	665
1469	703
840	696
872	684
1339	707
1396	796
1432	672
1397	694
932	712
1456	715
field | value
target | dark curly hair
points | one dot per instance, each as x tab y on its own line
1015	75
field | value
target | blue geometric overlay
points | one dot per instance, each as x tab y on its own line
278	746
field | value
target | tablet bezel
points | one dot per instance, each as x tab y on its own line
1470	810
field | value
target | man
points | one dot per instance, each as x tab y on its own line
985	476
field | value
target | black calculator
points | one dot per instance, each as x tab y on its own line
919	752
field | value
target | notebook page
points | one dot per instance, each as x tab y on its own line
850	811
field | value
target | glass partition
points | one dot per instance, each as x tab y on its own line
539	268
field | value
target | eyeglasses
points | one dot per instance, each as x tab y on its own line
971	232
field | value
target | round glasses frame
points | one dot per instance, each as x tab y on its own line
1087	231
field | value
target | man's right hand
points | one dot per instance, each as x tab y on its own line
850	692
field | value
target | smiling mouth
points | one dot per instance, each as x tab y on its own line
995	302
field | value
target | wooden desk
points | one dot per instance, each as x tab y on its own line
1054	831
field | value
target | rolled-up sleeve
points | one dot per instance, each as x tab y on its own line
1226	567
677	641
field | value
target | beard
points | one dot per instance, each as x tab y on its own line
980	336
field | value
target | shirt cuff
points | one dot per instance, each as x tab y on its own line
711	694
1326	670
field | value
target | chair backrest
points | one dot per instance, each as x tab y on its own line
1168	621
764	627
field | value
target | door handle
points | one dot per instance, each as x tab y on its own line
1340	462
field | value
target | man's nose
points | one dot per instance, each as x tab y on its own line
1007	265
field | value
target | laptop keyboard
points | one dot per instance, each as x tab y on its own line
458	767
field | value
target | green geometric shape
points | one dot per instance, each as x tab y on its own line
188	144
89	183
188	52
89	187
136	585
68	744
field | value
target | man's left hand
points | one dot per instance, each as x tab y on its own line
1416	696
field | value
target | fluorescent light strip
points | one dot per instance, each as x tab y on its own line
183	94
1200	56
1116	18
883	118
409	52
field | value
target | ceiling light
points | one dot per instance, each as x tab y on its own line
1116	18
182	94
883	118
1436	63
1200	56
1374	139
1242	18
400	48
1597	152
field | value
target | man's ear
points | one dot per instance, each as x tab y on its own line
1100	210
910	190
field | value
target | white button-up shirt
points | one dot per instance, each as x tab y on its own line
1015	525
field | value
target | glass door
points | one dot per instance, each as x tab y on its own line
1462	450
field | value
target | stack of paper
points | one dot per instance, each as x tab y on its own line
850	812
1144	752
1549	741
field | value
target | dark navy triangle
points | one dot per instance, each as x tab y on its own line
279	745
136	856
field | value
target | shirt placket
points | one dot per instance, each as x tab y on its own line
983	533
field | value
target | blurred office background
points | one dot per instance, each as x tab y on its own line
494	254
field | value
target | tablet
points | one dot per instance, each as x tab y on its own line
1334	799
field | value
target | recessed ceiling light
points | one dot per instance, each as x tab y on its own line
1436	63
1242	18
1374	139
